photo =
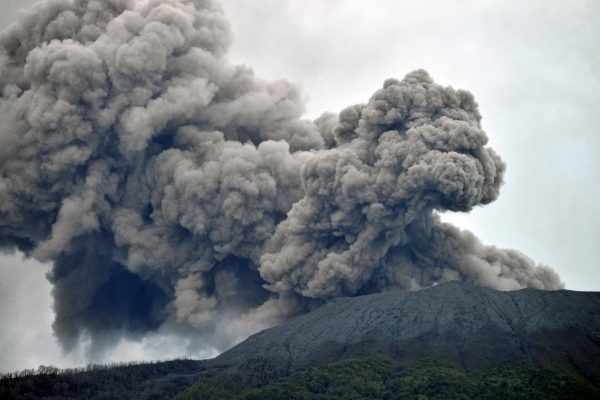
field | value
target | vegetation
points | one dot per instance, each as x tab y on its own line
160	380
378	379
364	378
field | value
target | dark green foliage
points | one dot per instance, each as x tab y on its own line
127	381
361	378
434	381
229	383
378	379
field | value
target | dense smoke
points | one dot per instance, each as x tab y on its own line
171	188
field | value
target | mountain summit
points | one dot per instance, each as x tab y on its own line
454	340
469	326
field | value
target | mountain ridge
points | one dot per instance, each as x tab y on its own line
451	340
468	325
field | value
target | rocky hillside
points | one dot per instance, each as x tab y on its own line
465	325
450	341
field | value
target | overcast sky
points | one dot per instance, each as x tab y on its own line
532	66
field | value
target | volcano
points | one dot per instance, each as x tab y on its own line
468	326
454	340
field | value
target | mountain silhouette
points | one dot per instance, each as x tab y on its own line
466	325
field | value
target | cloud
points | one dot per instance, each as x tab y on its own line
176	192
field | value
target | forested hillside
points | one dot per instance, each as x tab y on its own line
356	378
161	380
451	341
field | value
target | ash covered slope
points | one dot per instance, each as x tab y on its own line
470	326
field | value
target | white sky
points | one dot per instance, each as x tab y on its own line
534	68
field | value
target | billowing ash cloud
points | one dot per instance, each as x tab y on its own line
171	188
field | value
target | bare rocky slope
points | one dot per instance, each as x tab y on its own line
469	326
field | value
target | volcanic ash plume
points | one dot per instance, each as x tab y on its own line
170	188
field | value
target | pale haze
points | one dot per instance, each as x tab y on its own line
533	71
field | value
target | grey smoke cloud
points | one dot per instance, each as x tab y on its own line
366	219
172	189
